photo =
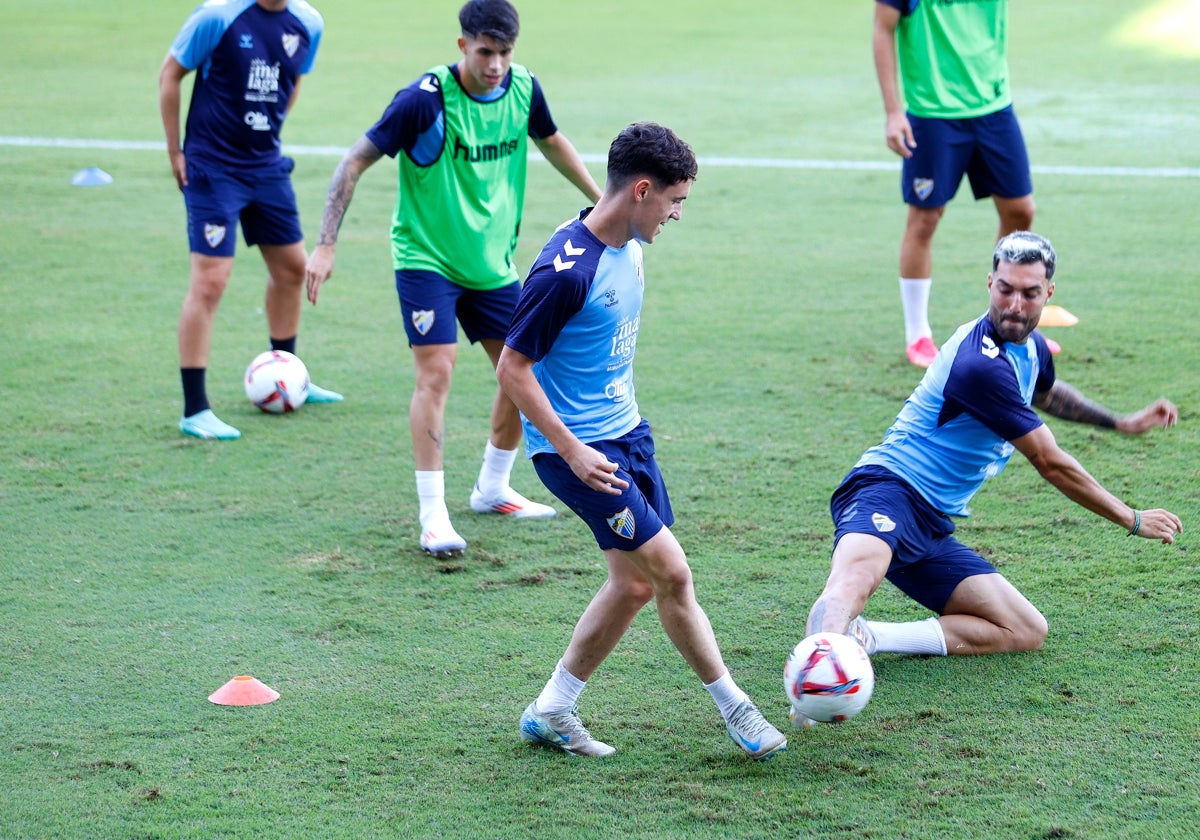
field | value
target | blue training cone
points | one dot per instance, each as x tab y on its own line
92	176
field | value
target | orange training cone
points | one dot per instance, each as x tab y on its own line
243	691
1054	315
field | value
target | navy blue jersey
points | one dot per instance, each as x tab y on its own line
955	430
248	60
414	121
578	319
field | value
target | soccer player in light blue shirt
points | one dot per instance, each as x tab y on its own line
567	364
972	409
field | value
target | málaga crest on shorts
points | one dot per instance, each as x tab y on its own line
923	187
214	235
883	524
623	524
422	319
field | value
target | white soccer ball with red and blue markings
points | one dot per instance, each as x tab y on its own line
828	677
277	382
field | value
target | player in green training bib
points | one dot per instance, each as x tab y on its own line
956	118
460	136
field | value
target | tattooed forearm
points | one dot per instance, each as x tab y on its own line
341	188
1066	402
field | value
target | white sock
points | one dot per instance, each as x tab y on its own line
431	492
496	471
924	636
561	692
726	694
914	296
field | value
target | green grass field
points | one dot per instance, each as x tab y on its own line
141	570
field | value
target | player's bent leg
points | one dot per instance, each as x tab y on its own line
1015	214
859	563
662	561
987	614
608	616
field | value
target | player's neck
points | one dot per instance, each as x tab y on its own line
608	224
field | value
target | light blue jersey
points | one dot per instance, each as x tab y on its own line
578	319
955	429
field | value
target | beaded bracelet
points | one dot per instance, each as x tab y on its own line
1137	523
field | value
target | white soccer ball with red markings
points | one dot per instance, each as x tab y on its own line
277	382
828	678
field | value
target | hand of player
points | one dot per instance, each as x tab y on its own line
1159	414
318	270
594	469
1159	524
899	134
179	168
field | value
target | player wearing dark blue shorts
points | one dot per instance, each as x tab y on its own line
956	118
972	409
459	134
568	366
249	56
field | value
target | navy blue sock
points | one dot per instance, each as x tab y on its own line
287	345
195	397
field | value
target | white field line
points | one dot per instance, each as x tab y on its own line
729	162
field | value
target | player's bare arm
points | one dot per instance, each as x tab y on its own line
353	164
1068	403
897	130
170	78
1077	484
562	156
592	467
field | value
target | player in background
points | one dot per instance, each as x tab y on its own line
568	365
953	58
459	134
971	410
249	56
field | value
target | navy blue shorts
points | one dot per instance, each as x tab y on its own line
431	304
263	201
629	520
928	563
989	150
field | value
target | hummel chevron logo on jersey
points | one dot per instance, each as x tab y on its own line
989	348
430	84
562	265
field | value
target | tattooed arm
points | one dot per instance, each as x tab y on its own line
1066	402
341	189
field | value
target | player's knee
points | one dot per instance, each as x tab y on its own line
673	581
639	592
1030	633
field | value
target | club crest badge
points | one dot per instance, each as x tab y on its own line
422	319
923	187
623	524
882	523
291	43
214	235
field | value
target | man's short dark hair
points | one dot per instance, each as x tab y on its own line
497	19
1023	247
649	149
